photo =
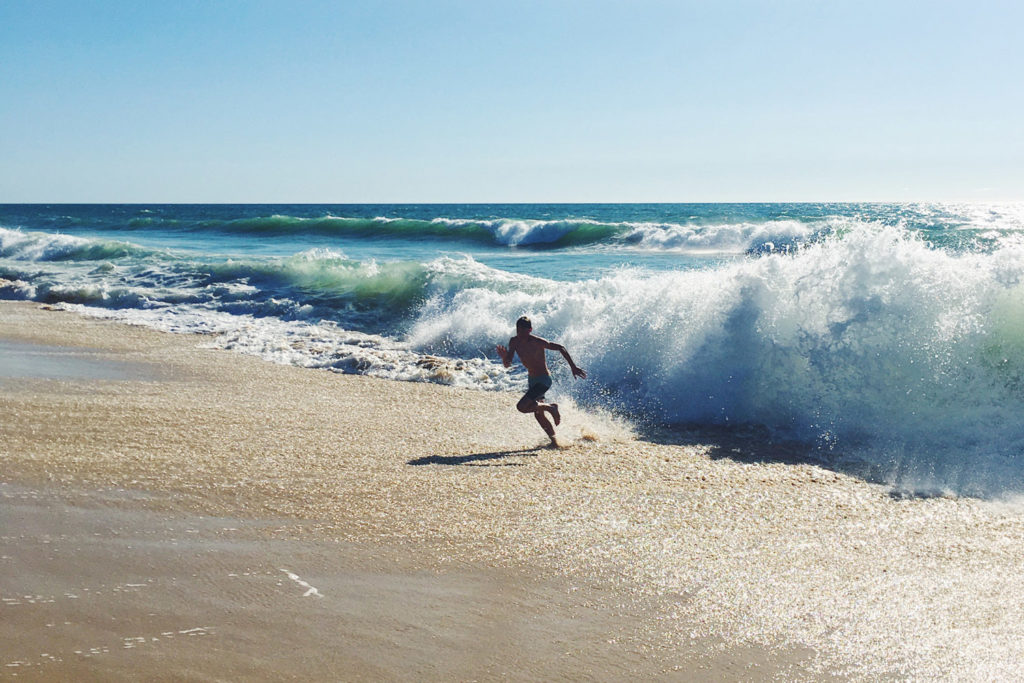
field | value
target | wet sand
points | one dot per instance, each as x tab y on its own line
195	496
97	589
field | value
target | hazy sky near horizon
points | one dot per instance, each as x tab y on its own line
477	101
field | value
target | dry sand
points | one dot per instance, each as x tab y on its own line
175	511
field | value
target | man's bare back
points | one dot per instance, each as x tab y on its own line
531	353
531	350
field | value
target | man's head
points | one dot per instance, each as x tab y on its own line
523	325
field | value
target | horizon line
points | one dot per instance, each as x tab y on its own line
509	203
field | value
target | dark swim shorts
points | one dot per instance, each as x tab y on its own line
538	386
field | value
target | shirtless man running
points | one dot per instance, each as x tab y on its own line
531	350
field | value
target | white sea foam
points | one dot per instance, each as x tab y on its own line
724	238
313	345
311	591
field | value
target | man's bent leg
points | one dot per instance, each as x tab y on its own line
545	424
540	406
526	405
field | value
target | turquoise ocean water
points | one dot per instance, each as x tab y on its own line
890	332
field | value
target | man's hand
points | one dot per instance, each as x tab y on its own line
503	354
578	373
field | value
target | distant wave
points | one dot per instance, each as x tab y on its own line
41	246
527	233
317	283
501	231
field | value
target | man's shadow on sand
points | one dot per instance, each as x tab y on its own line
745	444
479	459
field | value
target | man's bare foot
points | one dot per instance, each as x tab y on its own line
554	442
555	414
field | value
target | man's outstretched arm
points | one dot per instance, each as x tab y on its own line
576	372
507	354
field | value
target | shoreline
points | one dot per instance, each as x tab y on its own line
723	559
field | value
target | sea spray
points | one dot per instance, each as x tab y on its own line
868	342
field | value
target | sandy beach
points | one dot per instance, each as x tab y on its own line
174	511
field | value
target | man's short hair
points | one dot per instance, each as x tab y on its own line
524	324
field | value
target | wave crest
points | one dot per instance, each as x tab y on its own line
41	246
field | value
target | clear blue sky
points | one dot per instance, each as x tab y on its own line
483	101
